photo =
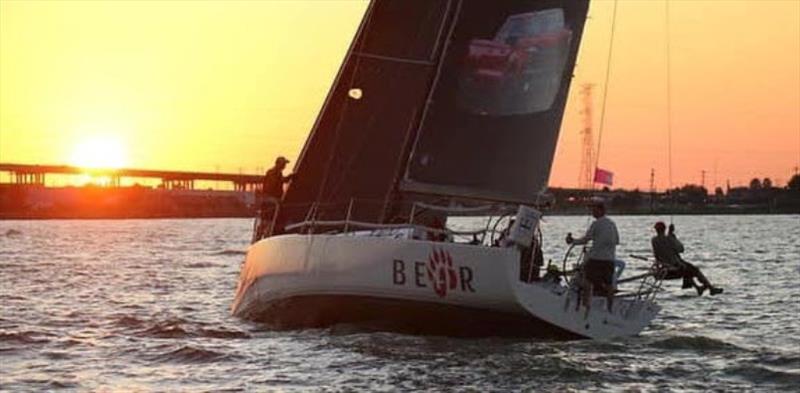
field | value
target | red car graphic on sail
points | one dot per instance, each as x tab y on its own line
519	71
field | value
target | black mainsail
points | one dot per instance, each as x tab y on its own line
458	98
492	127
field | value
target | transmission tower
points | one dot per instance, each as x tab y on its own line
586	174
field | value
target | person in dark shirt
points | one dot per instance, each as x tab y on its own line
667	250
274	181
271	195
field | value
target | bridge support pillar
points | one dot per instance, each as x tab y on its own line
34	178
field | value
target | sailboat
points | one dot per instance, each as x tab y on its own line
441	109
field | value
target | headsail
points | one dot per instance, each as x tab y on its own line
476	88
359	143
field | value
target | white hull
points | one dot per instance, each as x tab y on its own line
447	288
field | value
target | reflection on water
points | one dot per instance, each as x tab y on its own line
143	305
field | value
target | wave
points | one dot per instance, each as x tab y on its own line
700	343
178	328
12	233
200	265
780	360
222	333
230	252
190	354
62	385
128	321
26	337
11	296
765	375
56	355
166	329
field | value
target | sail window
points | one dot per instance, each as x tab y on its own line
406	29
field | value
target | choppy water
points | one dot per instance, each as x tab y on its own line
143	305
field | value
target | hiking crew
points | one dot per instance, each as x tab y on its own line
667	249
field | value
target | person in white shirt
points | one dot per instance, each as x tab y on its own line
598	270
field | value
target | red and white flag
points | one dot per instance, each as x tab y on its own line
603	176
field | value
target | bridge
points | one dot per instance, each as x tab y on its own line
23	174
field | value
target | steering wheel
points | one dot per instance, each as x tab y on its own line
570	275
494	229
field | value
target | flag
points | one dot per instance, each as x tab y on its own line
603	176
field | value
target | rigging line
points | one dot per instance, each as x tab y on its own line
669	104
438	73
414	127
387	199
361	38
362	140
605	90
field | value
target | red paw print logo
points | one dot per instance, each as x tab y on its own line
441	274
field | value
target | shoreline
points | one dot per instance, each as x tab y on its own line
22	217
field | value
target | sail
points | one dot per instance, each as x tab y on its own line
491	128
475	88
358	147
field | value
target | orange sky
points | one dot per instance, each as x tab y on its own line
227	85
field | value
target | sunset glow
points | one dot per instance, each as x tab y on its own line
228	86
99	152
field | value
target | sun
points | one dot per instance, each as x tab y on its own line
99	152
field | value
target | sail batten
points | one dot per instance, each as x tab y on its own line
395	59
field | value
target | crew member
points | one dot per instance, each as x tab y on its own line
598	269
274	181
667	250
272	193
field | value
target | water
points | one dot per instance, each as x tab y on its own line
143	305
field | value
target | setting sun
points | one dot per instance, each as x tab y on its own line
99	152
